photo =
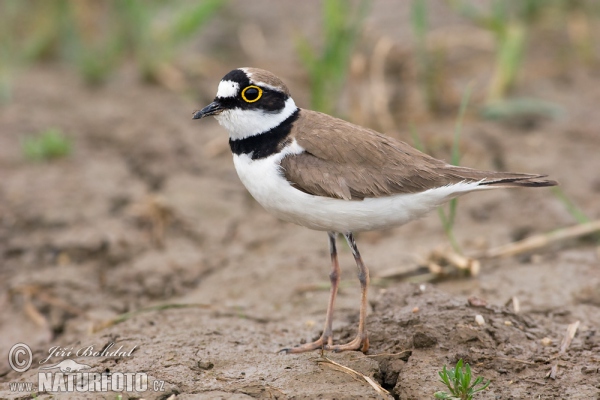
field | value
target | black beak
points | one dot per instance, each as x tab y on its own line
213	108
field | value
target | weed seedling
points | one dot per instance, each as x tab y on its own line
427	60
342	23
448	219
510	23
577	213
458	381
48	145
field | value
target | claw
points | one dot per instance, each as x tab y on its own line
358	343
317	344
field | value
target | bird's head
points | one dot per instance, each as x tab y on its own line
249	101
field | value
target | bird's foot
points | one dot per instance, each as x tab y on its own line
317	344
359	343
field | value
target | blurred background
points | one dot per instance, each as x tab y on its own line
112	199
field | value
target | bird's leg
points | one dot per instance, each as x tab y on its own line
361	342
334	277
326	338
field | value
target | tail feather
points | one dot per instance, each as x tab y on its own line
500	179
530	181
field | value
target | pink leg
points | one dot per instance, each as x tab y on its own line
361	341
326	338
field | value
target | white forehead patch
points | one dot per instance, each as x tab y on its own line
228	89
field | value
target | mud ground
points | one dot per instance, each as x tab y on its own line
148	212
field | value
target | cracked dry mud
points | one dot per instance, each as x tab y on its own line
149	212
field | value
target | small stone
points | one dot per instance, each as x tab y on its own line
546	341
589	370
415	310
516	304
63	258
474	267
205	365
422	340
310	323
508	323
479	319
475	301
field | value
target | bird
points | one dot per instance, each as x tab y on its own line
330	175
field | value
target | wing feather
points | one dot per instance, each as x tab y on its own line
349	162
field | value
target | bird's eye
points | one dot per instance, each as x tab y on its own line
250	94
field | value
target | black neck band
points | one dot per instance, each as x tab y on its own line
267	143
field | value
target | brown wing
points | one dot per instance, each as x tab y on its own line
346	161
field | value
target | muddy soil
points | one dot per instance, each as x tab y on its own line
148	214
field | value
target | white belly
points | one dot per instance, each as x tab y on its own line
269	187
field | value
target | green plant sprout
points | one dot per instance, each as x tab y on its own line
154	46
458	381
97	37
509	22
449	219
417	142
571	207
427	61
327	69
418	19
578	19
48	145
11	56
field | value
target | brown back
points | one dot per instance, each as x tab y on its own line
346	161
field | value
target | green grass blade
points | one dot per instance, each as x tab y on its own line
48	145
417	142
327	67
458	125
571	207
192	19
449	219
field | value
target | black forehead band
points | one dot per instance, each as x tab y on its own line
239	76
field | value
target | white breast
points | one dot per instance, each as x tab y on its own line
265	181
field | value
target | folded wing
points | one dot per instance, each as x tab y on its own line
346	161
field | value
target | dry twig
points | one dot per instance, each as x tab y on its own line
440	263
443	262
543	240
516	360
355	374
451	257
566	342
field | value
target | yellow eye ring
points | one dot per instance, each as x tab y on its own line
260	92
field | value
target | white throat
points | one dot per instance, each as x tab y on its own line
245	123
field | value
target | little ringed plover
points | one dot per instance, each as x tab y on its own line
330	175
